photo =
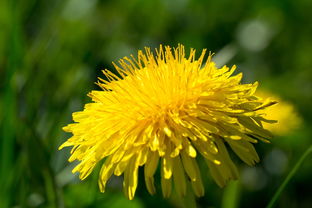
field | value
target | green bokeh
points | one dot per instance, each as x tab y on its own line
52	51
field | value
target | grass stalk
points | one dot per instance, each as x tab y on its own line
289	176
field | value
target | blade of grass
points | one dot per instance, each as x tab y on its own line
8	122
289	176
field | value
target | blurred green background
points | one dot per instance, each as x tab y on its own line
52	51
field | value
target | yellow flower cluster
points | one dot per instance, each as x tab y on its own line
283	112
169	110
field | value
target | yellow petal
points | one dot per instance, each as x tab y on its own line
167	167
178	176
166	187
149	181
151	164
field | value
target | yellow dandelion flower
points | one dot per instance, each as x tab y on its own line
167	109
284	112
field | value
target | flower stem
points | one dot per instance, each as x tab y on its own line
289	176
231	195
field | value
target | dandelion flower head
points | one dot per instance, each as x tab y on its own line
169	110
